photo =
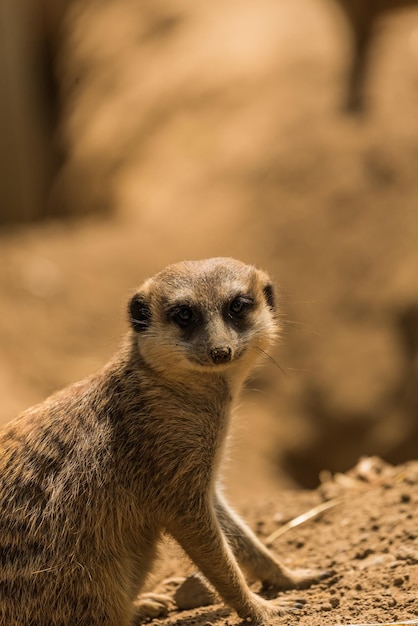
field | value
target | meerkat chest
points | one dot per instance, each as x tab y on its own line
182	439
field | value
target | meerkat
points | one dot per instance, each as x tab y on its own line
91	478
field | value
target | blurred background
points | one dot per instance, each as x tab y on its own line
281	132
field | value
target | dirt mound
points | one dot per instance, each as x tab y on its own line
368	538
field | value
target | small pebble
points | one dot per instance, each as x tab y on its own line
334	602
193	593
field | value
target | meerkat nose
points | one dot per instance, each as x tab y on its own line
221	355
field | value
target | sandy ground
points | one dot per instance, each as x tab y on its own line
367	541
215	129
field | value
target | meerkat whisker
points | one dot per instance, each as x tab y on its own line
268	356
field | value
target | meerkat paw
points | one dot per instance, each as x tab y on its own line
303	578
265	611
296	579
151	605
281	606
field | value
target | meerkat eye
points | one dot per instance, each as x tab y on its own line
183	316
239	306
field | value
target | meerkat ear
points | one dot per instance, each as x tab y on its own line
139	312
268	291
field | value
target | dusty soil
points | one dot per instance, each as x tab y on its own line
368	541
216	129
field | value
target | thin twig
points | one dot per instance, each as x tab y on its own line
301	519
401	623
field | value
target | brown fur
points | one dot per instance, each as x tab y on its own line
362	16
91	478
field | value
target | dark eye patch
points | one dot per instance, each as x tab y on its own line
183	315
240	306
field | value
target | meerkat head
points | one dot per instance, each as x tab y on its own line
204	315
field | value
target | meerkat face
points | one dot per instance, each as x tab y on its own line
204	315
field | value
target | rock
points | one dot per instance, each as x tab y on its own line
193	593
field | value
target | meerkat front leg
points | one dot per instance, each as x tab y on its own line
254	557
201	536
